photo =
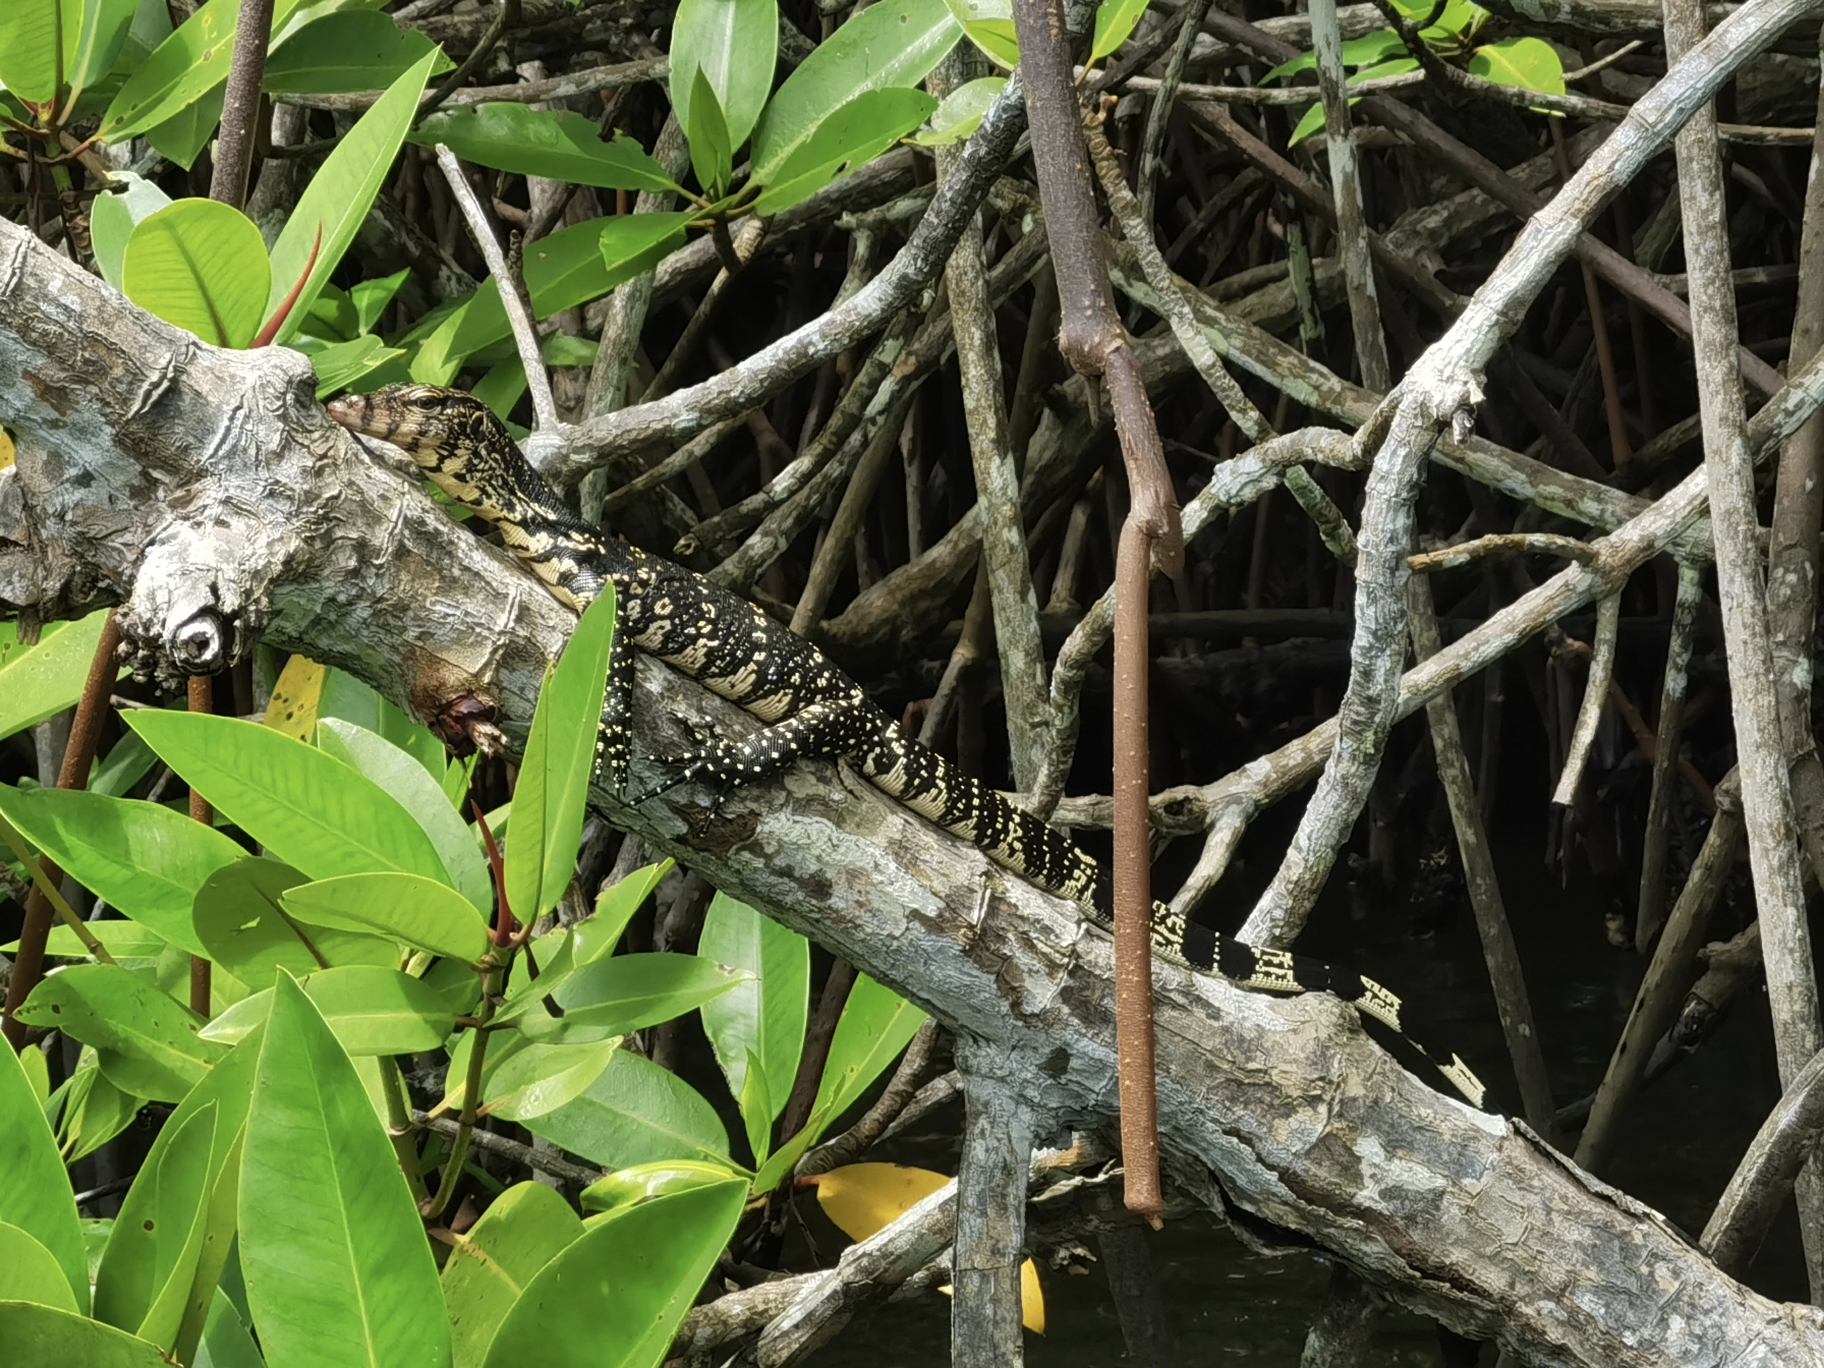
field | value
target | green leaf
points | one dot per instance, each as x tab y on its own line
351	51
599	933
145	859
225	1339
551	797
642	1182
127	762
373	1010
554	143
614	1297
95	1111
765	1016
371	297
523	1079
338	1270
635	1113
336	202
1530	63
1115	19
624	993
147	1044
99	40
182	137
756	1108
415	911
1369	48
45	1335
113	217
306	808
199	265
527	1226
38	681
779	1167
408	781
166	1251
32	1274
241	925
846	141
571	267
188	65
734	45
893	43
35	1195
123	940
340	364
961	112
711	149
876	1024
989	25
36	37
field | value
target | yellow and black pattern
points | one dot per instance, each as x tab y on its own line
812	708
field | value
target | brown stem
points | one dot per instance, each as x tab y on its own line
241	104
1620	453
78	756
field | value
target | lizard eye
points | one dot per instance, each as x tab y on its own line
426	405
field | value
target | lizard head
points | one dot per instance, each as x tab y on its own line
427	422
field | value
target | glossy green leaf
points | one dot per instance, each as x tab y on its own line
372	1009
734	45
37	681
523	1079
756	1101
341	364
173	1221
408	781
189	64
1369	48
35	1195
122	939
555	143
620	994
599	933
370	297
199	265
306	808
127	762
960	113
551	797
571	267
354	700
876	1024
1115	20
765	1016
1530	63
226	1342
145	859
893	43
336	202
415	911
112	219
642	1182
37	1072
182	137
148	1044
778	1167
99	40
614	1297
526	1227
989	25
165	1253
711	149
32	1274
37	38
635	1113
44	1335
244	929
94	1113
846	141
338	1271
340	53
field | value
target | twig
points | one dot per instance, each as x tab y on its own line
742	249
1595	695
1758	1188
1159	117
590	82
514	1150
1502	544
1650	915
860	1137
512	296
506	14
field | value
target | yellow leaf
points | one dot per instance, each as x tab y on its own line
292	710
863	1199
6	449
